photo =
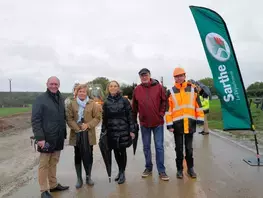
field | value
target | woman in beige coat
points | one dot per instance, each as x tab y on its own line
82	108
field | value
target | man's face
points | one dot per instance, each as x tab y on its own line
53	85
145	78
180	78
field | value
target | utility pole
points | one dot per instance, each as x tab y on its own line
10	84
162	80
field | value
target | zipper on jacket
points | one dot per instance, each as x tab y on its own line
148	97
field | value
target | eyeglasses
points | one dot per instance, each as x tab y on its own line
179	76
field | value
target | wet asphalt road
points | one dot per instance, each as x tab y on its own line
218	163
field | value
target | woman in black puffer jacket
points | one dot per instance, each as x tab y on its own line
118	121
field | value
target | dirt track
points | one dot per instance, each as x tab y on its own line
16	122
17	156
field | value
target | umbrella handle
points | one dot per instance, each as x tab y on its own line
109	179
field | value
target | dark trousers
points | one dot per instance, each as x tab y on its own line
121	158
180	141
84	158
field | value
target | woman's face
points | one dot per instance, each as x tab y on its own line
82	94
113	88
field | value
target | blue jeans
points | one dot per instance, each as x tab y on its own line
159	150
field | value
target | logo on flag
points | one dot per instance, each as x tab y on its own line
217	46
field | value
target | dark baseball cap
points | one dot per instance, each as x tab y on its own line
144	71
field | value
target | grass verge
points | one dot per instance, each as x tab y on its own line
13	110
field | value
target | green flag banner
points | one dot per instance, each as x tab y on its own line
224	67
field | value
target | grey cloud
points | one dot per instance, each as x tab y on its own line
40	53
80	41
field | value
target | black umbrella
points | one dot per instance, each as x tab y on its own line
135	140
82	140
106	152
205	89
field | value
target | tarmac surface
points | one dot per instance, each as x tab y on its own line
221	172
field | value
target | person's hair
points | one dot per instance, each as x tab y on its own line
108	85
81	86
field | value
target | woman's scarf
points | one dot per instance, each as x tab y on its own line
82	105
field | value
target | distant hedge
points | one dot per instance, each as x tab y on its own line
21	99
255	93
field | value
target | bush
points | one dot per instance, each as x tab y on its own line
20	99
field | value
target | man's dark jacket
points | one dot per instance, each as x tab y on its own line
48	119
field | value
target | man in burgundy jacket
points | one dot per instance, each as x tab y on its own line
149	101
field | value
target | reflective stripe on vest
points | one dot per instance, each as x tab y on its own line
190	106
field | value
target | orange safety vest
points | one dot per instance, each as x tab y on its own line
184	108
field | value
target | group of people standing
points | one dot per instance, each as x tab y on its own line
181	108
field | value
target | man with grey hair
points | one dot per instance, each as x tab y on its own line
49	128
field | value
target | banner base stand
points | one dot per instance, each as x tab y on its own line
253	161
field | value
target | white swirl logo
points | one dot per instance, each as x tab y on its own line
217	46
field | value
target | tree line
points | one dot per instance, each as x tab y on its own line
21	99
253	90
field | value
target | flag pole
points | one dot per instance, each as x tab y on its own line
251	161
258	161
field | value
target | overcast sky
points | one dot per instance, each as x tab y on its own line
80	40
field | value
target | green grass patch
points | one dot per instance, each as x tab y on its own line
13	110
257	115
215	115
215	119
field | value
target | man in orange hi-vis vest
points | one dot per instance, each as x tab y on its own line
184	111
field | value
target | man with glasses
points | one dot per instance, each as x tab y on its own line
149	101
49	128
184	110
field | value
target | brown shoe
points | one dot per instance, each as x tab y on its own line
164	177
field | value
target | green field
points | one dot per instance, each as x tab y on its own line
11	110
215	117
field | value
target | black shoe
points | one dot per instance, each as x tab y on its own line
201	132
79	176
89	181
191	173
122	178
46	194
59	188
179	174
117	177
